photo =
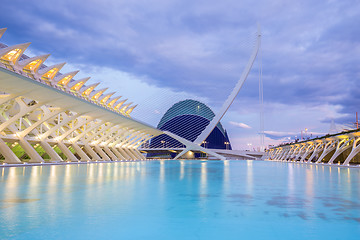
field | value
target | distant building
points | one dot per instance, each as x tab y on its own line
188	119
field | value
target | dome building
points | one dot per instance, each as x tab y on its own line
188	119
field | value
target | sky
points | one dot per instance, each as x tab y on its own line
158	52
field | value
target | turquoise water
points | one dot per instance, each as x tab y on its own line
180	200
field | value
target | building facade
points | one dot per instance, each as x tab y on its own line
188	119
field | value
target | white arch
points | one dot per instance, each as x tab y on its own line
210	127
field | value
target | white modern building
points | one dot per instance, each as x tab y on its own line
48	116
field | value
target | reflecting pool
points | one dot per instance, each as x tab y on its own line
180	200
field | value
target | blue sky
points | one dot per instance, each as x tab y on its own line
158	52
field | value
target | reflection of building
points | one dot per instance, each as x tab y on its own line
188	119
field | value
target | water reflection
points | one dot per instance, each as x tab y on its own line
309	184
11	182
226	177
182	169
128	193
203	178
52	189
309	191
162	173
249	177
291	179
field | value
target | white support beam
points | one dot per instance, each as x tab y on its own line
330	146
30	151
354	151
103	155
9	155
65	150
83	156
342	146
117	153
319	147
54	157
92	153
124	154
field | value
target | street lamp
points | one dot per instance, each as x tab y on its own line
249	145
163	143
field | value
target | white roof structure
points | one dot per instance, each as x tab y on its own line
43	107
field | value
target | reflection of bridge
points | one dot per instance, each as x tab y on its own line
228	154
341	148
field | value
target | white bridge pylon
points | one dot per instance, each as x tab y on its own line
196	145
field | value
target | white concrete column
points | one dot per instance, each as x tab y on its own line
340	148
307	151
92	153
137	153
64	149
54	157
101	153
278	154
123	153
283	154
10	156
114	150
30	151
286	153
130	154
293	154
81	153
299	153
317	149
110	153
327	149
355	150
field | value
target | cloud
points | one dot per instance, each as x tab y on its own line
241	125
280	135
